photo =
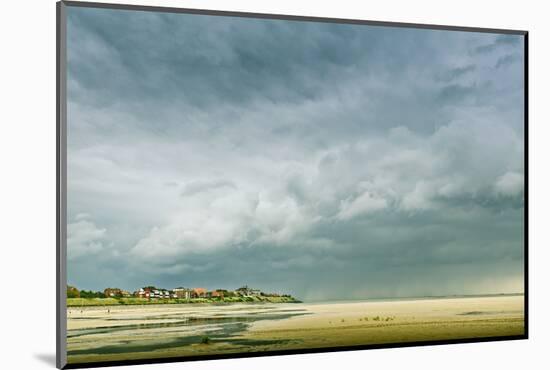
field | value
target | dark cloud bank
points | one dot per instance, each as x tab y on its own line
329	161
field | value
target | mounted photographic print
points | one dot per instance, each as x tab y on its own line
236	184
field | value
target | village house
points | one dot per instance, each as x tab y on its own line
160	293
112	292
198	293
181	293
246	291
218	293
146	292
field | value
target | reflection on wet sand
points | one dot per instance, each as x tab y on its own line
95	332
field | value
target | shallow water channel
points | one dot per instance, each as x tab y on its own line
116	332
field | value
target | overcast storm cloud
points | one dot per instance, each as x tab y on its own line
324	160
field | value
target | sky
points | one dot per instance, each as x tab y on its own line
328	161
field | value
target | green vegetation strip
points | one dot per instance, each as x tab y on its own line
80	302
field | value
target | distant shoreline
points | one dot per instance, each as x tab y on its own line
414	298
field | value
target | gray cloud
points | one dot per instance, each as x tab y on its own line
498	42
507	60
84	237
195	187
507	40
295	156
484	49
454	73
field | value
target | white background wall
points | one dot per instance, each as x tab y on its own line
27	185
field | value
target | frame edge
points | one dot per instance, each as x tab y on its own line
526	176
61	190
61	196
288	17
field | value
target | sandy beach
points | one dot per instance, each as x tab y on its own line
399	321
135	332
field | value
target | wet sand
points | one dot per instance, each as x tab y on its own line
397	322
138	332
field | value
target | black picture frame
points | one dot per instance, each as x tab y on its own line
61	185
